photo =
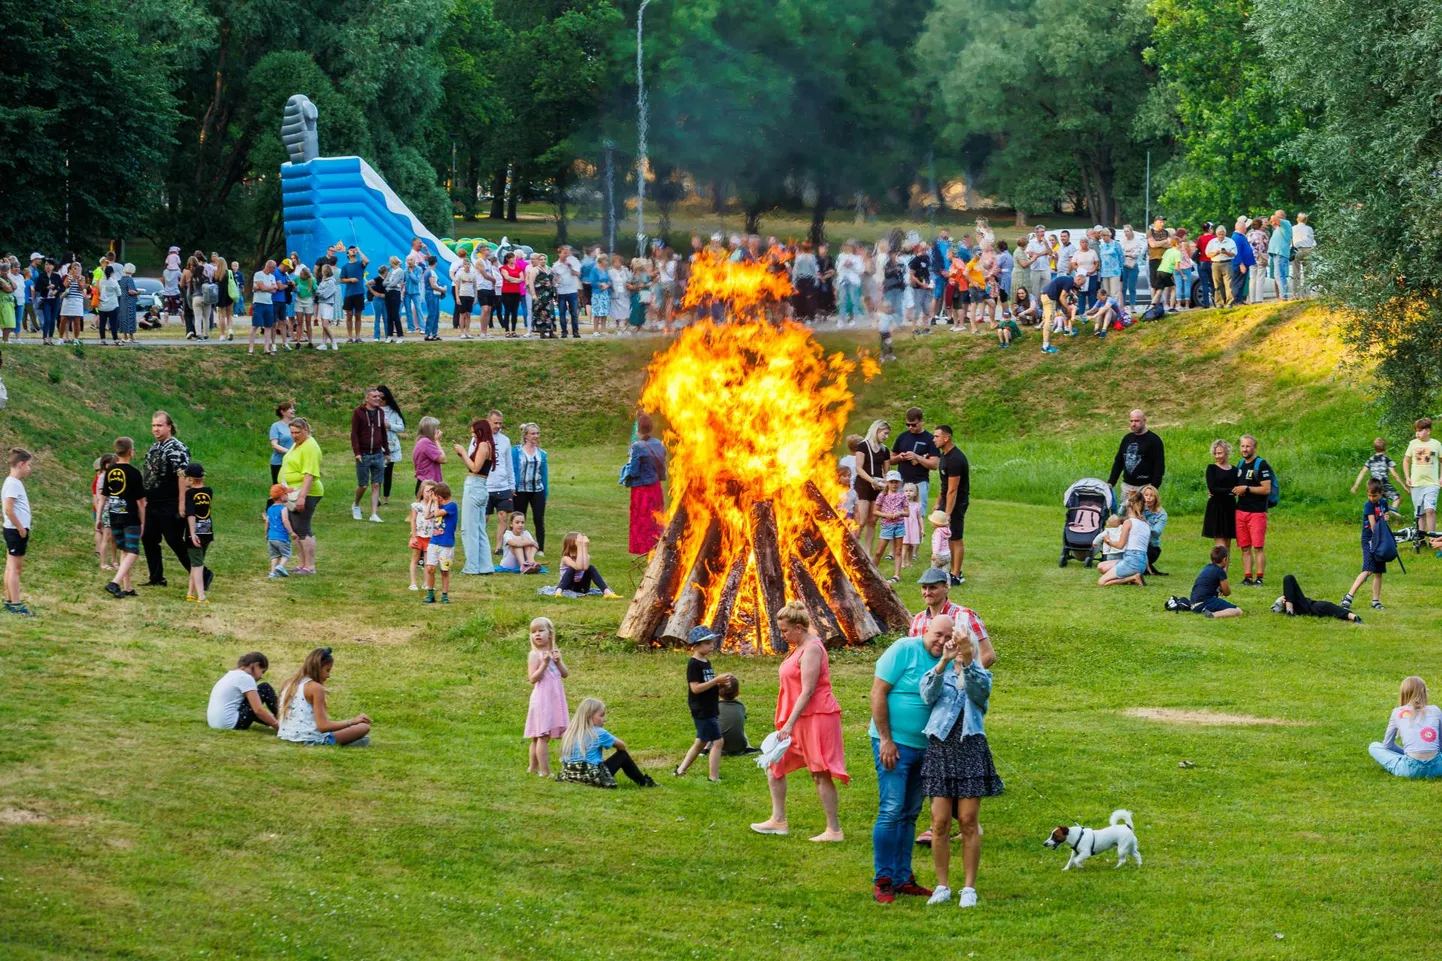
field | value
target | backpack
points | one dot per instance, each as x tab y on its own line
1275	496
1155	312
1384	543
210	294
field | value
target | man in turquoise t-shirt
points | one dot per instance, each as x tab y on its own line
898	717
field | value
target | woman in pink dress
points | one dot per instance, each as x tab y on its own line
806	712
548	716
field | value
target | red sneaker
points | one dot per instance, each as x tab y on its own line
883	892
913	889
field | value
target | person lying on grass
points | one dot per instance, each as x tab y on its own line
303	715
581	746
1409	747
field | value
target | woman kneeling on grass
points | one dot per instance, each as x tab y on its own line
1409	748
581	746
957	771
1133	537
303	715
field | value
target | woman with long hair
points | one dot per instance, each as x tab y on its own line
513	274
871	459
304	718
532	472
72	303
479	457
395	426
1133	537
225	302
645	472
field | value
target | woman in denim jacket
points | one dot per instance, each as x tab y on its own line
957	771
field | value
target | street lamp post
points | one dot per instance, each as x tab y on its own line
641	123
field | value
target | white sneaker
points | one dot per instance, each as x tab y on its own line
355	513
376	519
942	894
414	587
968	898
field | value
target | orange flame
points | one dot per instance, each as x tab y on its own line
744	288
753	412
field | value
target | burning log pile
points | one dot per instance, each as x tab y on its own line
754	410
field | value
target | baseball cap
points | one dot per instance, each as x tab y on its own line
37	256
934	575
700	634
194	470
893	475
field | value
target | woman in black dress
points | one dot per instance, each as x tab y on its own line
871	459
1220	520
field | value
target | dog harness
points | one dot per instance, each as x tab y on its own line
1076	848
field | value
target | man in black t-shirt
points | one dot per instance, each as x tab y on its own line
917	455
1141	459
164	487
200	530
704	700
955	496
125	501
1253	494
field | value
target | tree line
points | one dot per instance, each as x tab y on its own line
159	118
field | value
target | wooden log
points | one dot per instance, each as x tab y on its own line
691	602
771	583
742	635
823	621
657	590
850	609
730	591
880	598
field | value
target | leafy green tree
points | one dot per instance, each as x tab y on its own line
1373	154
1219	97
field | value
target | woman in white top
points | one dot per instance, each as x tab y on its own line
620	294
1409	748
325	303
109	305
303	715
465	280
1133	537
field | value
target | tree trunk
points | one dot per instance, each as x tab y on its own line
718	198
753	218
562	176
608	197
1020	217
515	190
818	217
472	185
498	194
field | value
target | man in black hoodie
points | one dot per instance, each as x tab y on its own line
1140	460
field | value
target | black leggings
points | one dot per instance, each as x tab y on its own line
621	761
1302	604
393	314
267	697
510	311
1153	552
111	318
536	502
581	581
386	483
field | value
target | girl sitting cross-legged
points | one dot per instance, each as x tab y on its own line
1409	748
578	574
581	750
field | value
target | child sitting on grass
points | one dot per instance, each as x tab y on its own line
441	548
1409	747
546	716
581	746
198	499
578	574
422	527
519	548
940	539
1373	513
1210	590
733	719
278	532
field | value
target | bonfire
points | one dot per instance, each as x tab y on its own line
753	412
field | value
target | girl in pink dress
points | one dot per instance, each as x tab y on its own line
547	717
807	713
912	540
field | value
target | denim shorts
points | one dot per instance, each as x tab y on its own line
1132	562
708	728
1213	605
370	469
891	531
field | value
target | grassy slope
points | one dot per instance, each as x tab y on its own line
162	840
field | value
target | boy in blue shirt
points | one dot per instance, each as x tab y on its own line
1210	590
1374	512
277	532
441	550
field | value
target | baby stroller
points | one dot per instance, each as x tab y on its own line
1088	504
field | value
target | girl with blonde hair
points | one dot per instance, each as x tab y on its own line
303	715
1409	747
546	718
582	745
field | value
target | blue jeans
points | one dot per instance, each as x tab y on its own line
1185	279
571	303
411	310
49	316
1202	290
474	539
1281	268
433	315
378	311
894	833
1129	287
1403	766
848	299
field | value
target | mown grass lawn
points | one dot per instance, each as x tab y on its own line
129	830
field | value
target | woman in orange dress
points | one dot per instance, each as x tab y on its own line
806	712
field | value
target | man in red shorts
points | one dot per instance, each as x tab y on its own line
1252	493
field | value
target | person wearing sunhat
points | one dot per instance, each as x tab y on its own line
809	717
704	700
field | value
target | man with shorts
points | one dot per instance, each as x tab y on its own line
1419	472
125	501
1252	493
1141	460
262	310
955	482
369	444
917	452
1059	292
353	291
501	481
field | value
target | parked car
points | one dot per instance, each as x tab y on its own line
149	292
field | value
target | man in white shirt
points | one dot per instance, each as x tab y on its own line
501	482
1087	262
1220	251
567	271
237	701
1065	252
1304	241
1038	252
849	268
262	312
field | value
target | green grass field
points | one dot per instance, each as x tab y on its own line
129	830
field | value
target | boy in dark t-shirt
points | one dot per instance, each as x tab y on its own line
1374	512
201	529
704	701
1210	590
1381	468
125	500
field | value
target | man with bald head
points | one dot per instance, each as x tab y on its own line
898	745
1140	460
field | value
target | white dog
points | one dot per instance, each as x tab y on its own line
1084	842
